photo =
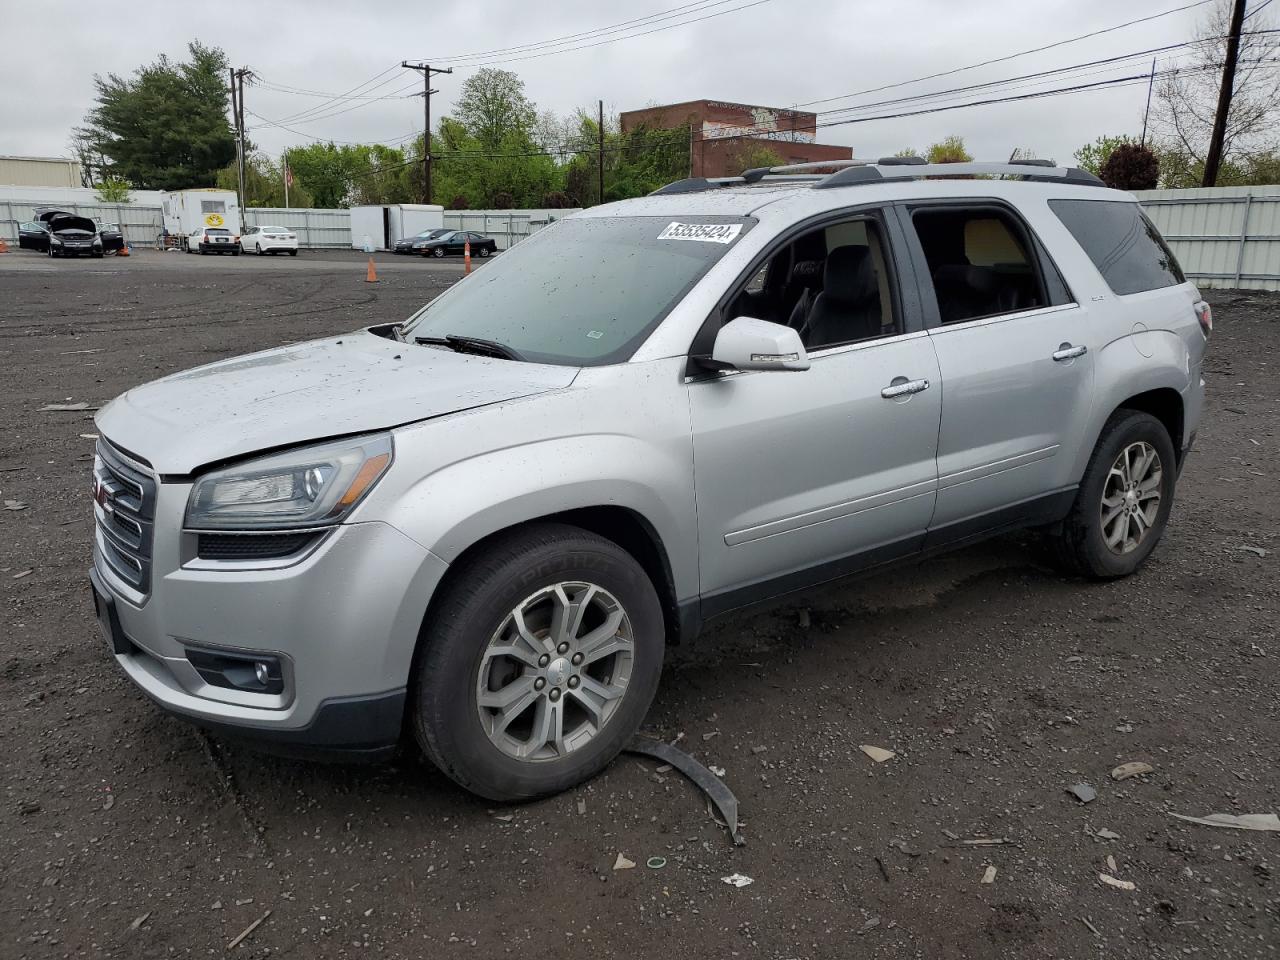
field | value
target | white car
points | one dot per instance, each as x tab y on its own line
262	240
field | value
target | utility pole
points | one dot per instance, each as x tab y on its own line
426	70
601	132
1214	158
238	78
1151	82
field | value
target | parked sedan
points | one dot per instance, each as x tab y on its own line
60	233
215	239
456	241
418	241
262	240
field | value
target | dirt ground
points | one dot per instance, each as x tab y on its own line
997	682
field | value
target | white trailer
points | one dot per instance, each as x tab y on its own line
186	211
384	224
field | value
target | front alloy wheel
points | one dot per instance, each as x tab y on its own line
539	660
555	671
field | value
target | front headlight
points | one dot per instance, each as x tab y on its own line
97	241
56	241
310	487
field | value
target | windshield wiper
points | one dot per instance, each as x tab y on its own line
476	345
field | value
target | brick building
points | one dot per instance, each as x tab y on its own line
724	133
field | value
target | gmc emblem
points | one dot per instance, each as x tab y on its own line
103	495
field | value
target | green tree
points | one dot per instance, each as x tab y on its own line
113	191
1092	156
950	150
493	107
1131	166
749	156
264	183
166	127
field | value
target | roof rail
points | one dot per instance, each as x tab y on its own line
1044	173
851	172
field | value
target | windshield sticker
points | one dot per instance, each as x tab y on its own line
704	232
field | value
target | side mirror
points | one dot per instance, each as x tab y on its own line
750	344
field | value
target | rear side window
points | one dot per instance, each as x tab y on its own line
1123	244
981	263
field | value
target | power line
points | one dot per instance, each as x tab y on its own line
1006	57
632	36
360	88
611	28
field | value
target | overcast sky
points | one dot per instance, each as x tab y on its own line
778	53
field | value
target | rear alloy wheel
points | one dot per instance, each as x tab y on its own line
1123	502
484	252
438	252
539	663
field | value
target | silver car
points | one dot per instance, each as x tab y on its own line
482	526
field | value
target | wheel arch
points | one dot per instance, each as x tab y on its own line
624	526
1166	405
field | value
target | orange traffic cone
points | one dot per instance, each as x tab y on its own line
371	276
124	251
4	247
466	256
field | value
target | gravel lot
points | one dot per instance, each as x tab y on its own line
997	683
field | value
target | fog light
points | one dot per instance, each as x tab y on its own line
255	674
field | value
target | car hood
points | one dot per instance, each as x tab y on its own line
306	392
72	224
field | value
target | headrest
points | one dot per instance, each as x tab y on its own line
807	272
850	274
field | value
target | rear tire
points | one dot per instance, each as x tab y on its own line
438	252
597	700
293	253
1122	505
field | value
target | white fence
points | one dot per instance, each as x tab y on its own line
140	224
1222	236
507	227
316	228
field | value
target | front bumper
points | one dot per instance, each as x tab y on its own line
343	622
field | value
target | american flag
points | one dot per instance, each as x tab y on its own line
288	177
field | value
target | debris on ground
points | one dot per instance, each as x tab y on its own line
582	807
1083	792
23	573
989	875
1135	768
1105	834
15	505
28	807
878	754
737	880
656	863
1256	551
804	619
1092	929
710	784
871	924
759	749
240	938
139	921
1111	863
504	817
622	863
65	407
1245	821
718	771
1118	884
108	801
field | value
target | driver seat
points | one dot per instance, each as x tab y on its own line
848	308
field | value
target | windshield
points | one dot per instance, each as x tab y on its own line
274	230
582	292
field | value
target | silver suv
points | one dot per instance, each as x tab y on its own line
484	524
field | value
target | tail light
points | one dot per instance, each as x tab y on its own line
1204	313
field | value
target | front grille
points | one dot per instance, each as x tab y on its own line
261	546
125	509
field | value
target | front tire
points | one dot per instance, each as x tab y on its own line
484	252
1122	505
539	662
438	252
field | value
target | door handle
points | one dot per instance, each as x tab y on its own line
1068	352
902	387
